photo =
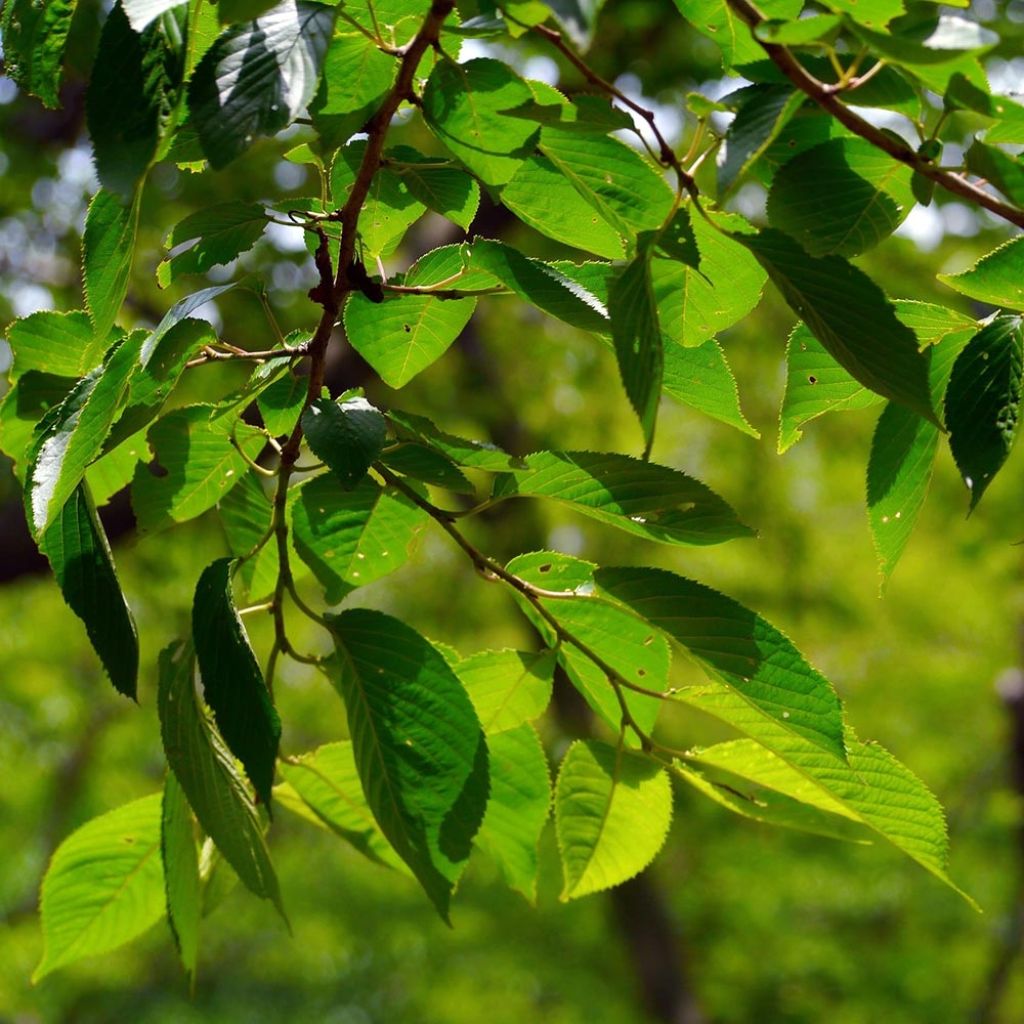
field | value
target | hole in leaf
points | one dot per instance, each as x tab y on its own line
812	379
546	567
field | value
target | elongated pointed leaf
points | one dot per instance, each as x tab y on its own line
507	687
347	436
997	278
258	76
518	807
350	538
104	885
738	647
983	402
107	249
35	36
427	465
418	745
182	885
207	773
77	548
612	814
219	234
232	681
642	498
328	782
851	317
463	452
701	378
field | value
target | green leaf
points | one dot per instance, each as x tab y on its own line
541	285
352	537
207	773
448	191
963	94
464	104
1000	169
327	781
471	454
346	435
761	115
28	400
232	681
782	797
107	249
246	514
983	402
397	20
427	465
257	77
539	195
133	95
694	304
104	885
717	20
851	317
636	336
181	310
281	402
79	553
518	807
113	471
613	178
35	36
844	196
418	745
802	31
142	12
642	498
72	435
182	885
735	645
507	687
997	278
622	641
701	378
243	10
61	344
612	814
195	464
872	13
356	78
218	235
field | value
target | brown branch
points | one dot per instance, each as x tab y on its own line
825	96
444	293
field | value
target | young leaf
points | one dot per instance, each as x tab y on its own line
132	94
507	687
107	249
642	498
701	378
327	781
612	814
851	317
997	278
219	234
232	681
72	434
518	807
418	745
35	36
464	105
983	402
195	464
738	647
258	76
63	344
352	537
104	885
77	548
207	773
346	435
182	885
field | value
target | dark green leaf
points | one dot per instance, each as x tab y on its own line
232	681
1008	114
471	454
1000	169
77	548
257	77
35	35
107	249
182	885
983	402
851	316
642	498
418	745
218	233
761	115
207	773
448	191
346	435
351	537
427	465
243	10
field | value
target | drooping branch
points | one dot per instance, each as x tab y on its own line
826	97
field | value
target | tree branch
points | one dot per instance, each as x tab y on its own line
825	96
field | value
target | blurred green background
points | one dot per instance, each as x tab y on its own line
738	922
